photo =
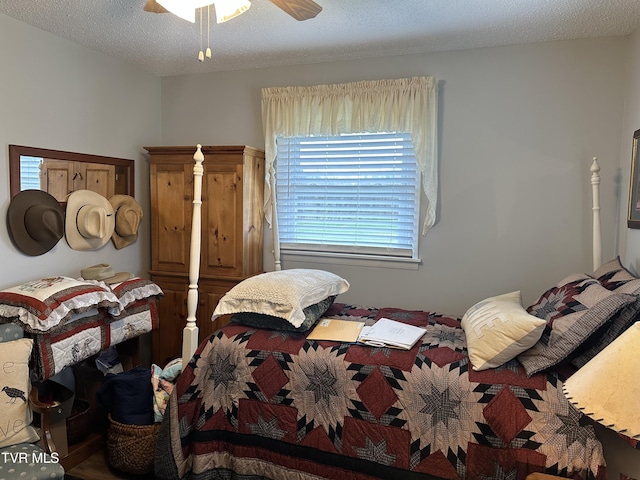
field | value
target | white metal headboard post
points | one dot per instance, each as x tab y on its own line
597	235
190	332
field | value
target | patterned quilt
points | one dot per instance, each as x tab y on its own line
87	335
257	403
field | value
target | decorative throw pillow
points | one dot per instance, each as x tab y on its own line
311	315
574	310
613	276
498	329
283	293
40	305
134	289
15	414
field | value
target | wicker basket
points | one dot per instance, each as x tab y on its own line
131	448
79	422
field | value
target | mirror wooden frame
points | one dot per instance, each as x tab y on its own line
633	218
16	151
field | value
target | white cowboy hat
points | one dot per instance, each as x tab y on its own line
35	221
128	215
90	220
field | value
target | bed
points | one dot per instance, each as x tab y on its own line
72	319
257	401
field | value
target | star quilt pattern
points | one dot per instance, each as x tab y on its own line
263	404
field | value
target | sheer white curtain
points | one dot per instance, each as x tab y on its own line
401	105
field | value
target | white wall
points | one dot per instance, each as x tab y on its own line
58	95
621	458
630	238
518	128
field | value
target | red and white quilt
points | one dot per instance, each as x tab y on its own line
266	404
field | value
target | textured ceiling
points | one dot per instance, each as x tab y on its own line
265	36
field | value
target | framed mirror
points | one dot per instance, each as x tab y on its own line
633	220
60	173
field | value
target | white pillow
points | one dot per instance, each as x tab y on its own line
498	329
283	293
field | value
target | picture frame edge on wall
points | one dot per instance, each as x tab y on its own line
633	215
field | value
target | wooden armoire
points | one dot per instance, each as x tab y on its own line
232	238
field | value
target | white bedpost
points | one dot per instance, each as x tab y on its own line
190	332
274	224
597	236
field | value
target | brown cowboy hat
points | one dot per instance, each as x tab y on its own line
90	220
128	215
35	221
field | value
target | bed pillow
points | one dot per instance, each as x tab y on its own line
498	329
15	414
40	305
311	315
615	277
575	309
283	293
134	289
613	274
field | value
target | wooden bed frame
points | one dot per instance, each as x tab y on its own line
190	332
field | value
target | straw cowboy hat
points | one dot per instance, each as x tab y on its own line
128	215
90	220
35	221
104	273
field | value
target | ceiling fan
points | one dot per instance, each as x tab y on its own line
298	9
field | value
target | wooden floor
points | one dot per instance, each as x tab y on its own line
96	468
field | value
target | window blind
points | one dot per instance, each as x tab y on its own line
30	172
356	193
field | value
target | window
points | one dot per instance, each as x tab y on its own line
354	194
327	113
30	172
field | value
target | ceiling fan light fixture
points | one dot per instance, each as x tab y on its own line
185	9
228	9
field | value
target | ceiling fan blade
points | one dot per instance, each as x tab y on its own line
299	9
153	6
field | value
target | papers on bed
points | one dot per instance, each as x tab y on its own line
383	333
389	333
336	330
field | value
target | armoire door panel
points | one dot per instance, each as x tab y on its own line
222	227
210	296
171	234
253	214
172	313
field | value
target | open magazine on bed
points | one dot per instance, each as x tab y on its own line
389	333
384	333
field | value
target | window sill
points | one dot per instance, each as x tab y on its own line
378	261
